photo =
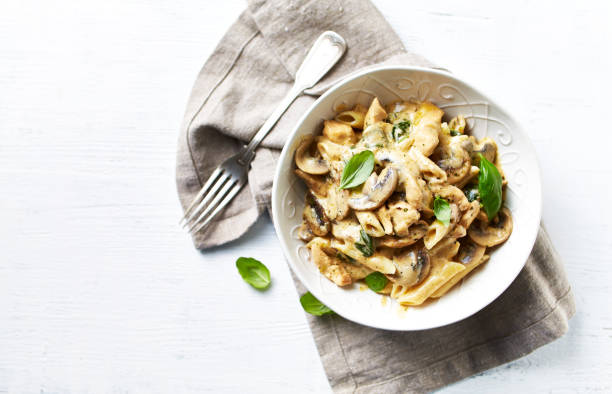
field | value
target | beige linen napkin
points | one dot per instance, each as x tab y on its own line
244	79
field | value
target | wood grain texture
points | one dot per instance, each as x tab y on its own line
101	292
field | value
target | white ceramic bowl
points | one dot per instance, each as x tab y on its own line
485	118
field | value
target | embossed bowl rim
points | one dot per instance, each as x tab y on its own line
521	254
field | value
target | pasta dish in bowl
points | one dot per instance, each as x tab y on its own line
384	187
394	196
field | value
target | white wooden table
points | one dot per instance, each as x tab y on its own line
100	291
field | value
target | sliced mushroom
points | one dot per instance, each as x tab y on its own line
316	183
412	266
307	162
486	147
470	252
314	216
494	232
451	156
305	233
415	232
375	191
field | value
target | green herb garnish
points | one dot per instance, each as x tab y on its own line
442	210
376	281
253	272
345	257
472	193
366	246
357	170
489	187
314	306
400	130
454	133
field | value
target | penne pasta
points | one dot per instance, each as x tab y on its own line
384	217
436	231
351	118
370	223
458	276
330	150
376	113
430	171
339	132
441	272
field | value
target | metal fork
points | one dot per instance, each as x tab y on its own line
227	179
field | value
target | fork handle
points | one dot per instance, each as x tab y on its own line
249	150
325	52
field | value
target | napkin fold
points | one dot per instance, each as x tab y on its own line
241	83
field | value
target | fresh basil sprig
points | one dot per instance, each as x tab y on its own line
313	306
442	210
357	170
366	246
253	272
376	281
489	187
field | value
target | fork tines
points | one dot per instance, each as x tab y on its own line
216	193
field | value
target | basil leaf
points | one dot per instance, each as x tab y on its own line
314	306
376	281
363	249
454	133
357	170
253	272
442	210
489	187
366	246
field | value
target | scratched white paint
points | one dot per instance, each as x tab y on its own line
101	292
